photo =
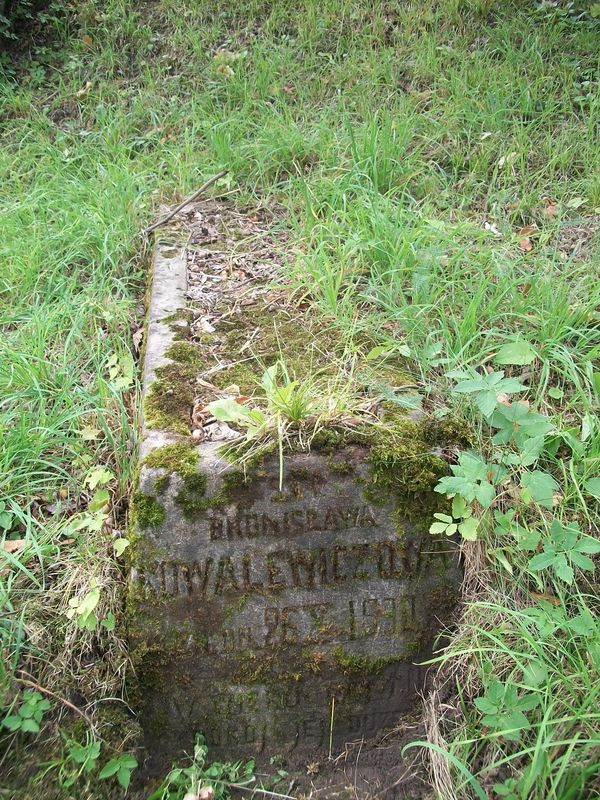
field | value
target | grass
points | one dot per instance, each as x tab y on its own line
411	143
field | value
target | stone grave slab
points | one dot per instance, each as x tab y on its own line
275	618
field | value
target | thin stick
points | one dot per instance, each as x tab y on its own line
254	789
190	199
331	725
57	696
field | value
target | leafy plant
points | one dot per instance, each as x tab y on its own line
80	760
564	549
82	608
461	521
504	710
30	711
6	517
120	767
473	479
220	777
486	389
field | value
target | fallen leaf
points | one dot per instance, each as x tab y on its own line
137	338
12	545
526	245
87	39
550	210
549	598
231	389
526	230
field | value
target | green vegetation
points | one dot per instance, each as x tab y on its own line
146	511
223	779
441	168
180	457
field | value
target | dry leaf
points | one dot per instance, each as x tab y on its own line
549	598
12	545
525	245
87	39
351	421
137	338
550	210
526	230
233	388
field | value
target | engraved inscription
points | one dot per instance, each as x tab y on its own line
239	524
248	572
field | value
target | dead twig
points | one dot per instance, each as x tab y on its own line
190	199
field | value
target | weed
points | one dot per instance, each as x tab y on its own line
220	778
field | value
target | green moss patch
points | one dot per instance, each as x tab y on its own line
191	498
181	458
146	511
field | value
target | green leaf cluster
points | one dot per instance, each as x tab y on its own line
29	714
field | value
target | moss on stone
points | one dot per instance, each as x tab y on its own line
191	498
146	511
180	457
355	664
161	484
168	404
186	354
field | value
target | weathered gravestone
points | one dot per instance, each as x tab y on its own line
276	621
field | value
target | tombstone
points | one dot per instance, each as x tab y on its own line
277	620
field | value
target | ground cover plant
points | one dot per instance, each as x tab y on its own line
441	169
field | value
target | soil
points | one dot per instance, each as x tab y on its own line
370	769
